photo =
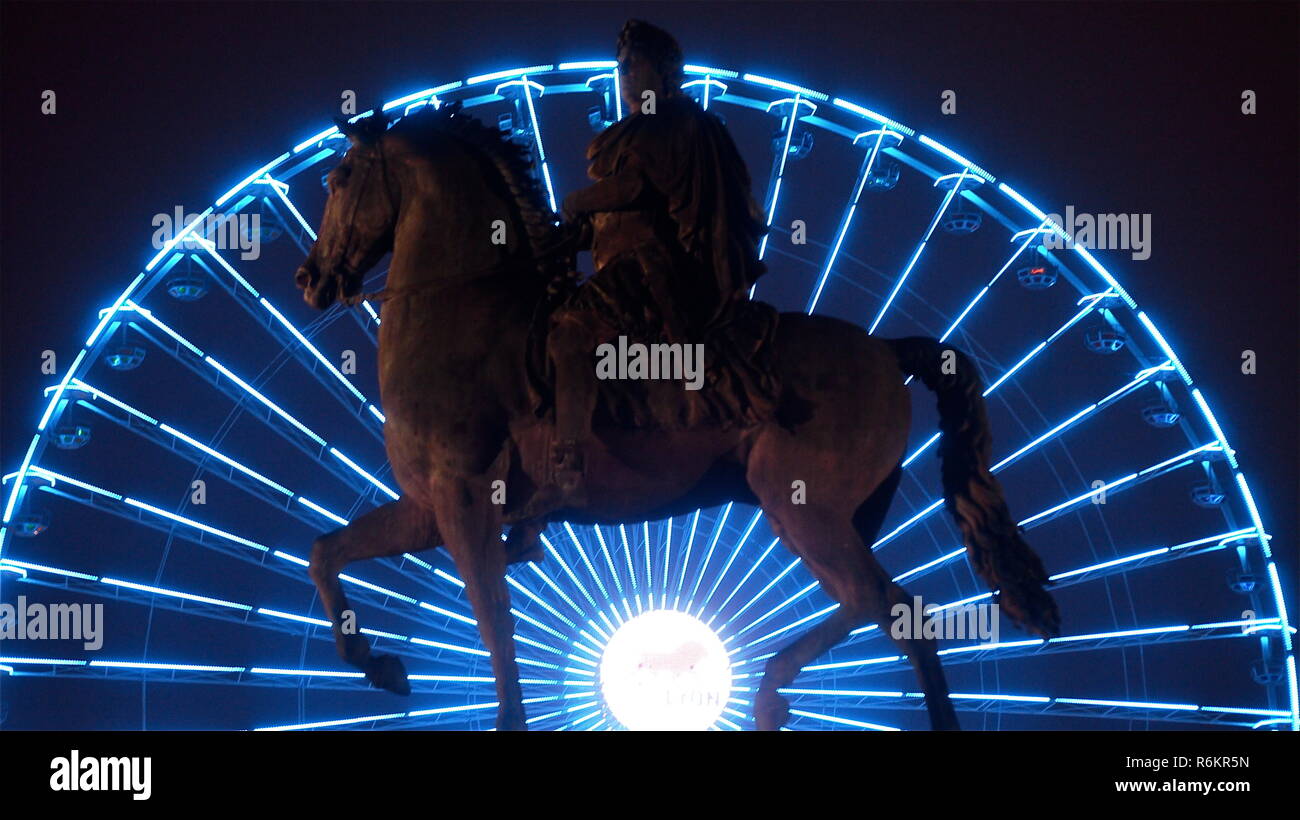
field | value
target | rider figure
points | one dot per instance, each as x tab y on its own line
673	231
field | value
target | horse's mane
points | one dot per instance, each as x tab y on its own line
514	164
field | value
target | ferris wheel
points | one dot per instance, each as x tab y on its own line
211	425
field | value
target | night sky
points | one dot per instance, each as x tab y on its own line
1114	108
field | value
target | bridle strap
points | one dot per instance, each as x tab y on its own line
356	204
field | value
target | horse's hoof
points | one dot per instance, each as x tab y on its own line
771	712
511	723
353	648
388	673
945	720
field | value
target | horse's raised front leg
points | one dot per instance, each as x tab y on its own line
471	528
402	526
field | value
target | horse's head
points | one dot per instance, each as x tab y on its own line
459	176
360	217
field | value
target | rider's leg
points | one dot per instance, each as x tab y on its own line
575	398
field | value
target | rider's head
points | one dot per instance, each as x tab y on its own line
649	59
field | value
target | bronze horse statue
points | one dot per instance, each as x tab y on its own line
454	384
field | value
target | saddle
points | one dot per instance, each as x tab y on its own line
653	371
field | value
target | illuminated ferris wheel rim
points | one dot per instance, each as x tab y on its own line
877	134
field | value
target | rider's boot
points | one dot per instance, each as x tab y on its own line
575	402
570	470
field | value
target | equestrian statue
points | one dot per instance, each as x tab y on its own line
498	413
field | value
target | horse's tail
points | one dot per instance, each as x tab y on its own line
994	547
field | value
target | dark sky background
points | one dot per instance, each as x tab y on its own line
1119	108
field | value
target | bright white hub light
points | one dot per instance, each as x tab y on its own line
665	670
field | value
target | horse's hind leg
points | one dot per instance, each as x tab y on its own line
402	526
836	549
833	552
921	652
771	710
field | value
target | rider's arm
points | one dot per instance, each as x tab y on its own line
616	192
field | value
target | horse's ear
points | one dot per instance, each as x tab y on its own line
347	129
365	130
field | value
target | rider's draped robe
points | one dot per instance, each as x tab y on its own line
695	178
677	262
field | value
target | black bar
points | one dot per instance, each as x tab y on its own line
611	773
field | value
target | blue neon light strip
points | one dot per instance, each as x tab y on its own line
1164	346
388	491
955	157
590	568
54	478
991	283
509	72
735	552
302	340
1080	250
938	215
158	323
1226	629
759	595
223	534
172	593
857	724
784	86
212	251
16	491
686	559
872	115
1106	488
1217	430
224	459
701	69
95	394
550	549
18	480
631	569
780	163
847	219
313	140
249	179
713	544
247	388
428	94
81	354
537	136
588	65
189	522
935	505
282	191
178	238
